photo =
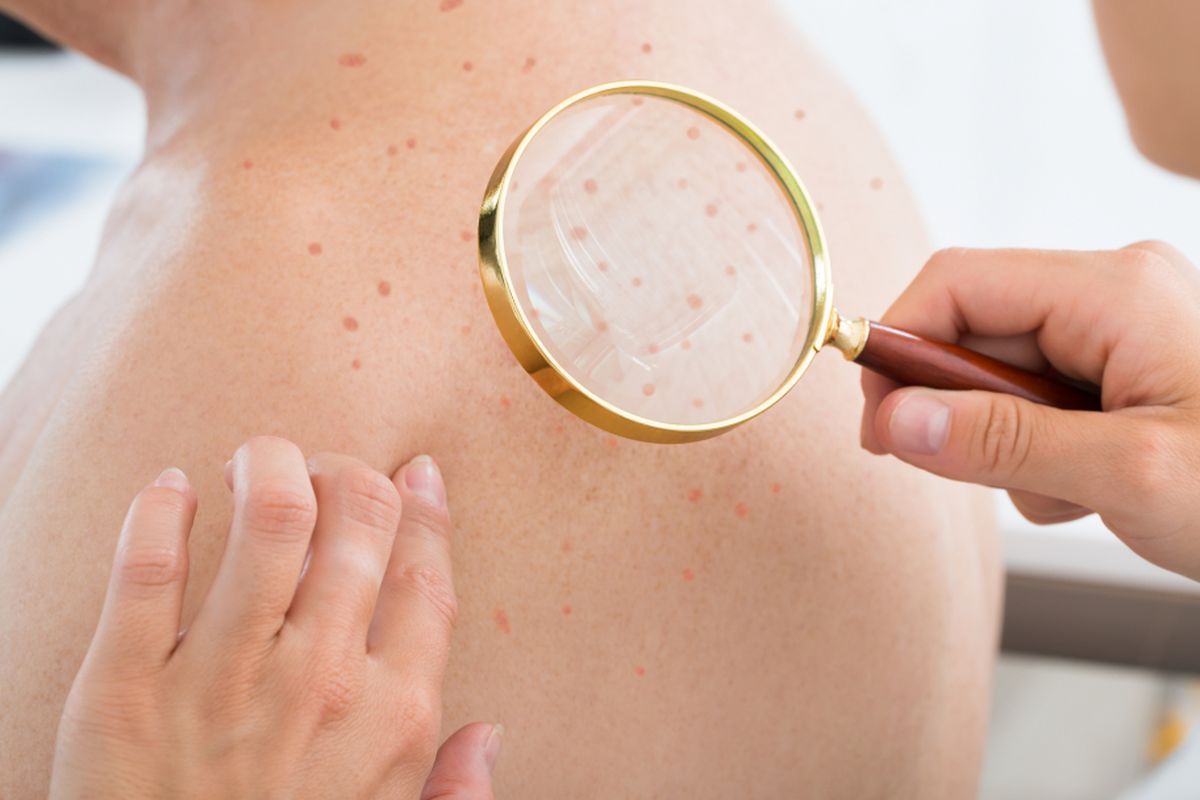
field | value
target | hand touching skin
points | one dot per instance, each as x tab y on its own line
1127	320
314	667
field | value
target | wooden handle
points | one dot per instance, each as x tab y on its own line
914	361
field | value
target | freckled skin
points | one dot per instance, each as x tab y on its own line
350	323
207	320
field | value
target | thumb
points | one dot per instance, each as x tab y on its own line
464	764
1006	441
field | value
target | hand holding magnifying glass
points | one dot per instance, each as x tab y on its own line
1130	317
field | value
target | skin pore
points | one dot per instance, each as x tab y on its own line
773	612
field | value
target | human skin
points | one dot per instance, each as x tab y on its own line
772	612
1153	52
314	666
1125	320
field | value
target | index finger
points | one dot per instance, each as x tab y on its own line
416	609
1064	300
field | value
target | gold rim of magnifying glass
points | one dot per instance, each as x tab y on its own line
525	344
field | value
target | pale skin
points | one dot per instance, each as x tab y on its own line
632	640
314	665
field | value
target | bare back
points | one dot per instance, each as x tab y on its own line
772	613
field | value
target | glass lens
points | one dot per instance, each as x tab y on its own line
658	259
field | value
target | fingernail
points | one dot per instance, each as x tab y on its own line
422	476
491	750
172	478
920	425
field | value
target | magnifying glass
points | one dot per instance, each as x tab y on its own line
655	264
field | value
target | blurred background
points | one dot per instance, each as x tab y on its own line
1003	117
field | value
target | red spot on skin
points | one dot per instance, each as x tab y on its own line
449	5
601	326
336	124
411	144
350	323
589	186
247	164
567	545
636	282
697	403
682	183
751	228
820	206
505	402
711	209
693	133
579	232
501	620
533	312
648	389
352	60
314	249
466	236
742	510
529	64
877	183
647	48
686	344
747	337
694	302
465	330
384	288
611	442
651	349
640	671
695	495
355	364
688	574
776	488
637	101
730	270
468	66
566	609
392	150
740	166
799	113
602	266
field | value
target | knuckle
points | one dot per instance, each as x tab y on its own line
428	518
1145	271
151	565
279	509
336	688
419	721
431	586
369	498
1003	437
1150	462
1166	254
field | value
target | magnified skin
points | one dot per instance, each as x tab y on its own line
772	613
